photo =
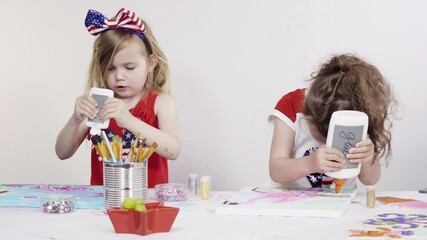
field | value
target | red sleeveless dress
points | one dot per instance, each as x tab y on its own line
157	165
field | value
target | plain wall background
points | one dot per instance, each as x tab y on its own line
231	61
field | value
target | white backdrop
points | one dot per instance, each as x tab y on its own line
231	61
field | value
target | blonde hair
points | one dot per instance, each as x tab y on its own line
110	42
346	82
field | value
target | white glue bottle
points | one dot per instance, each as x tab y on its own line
346	128
99	95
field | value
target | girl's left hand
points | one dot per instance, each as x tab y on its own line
115	108
363	152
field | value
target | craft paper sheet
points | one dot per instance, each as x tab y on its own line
278	201
19	195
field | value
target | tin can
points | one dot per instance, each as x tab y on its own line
123	180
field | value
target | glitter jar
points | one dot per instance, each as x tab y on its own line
193	184
370	196
170	192
205	187
58	203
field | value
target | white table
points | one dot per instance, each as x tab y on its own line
196	220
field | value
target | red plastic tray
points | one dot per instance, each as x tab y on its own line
158	218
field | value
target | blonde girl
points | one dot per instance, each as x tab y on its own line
126	59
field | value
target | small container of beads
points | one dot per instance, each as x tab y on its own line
170	192
58	203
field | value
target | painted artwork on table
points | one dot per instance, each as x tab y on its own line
279	201
403	202
392	226
26	195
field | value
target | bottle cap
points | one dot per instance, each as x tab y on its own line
95	131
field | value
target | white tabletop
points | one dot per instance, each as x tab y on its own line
196	220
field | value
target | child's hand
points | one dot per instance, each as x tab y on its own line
327	159
115	108
363	152
85	106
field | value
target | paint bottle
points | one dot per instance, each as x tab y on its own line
204	187
209	182
346	128
370	196
193	184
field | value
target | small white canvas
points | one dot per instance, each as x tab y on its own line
278	201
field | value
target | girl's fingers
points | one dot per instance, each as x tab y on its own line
355	156
113	108
361	149
365	142
333	157
88	110
361	160
88	101
84	108
111	102
107	113
329	166
330	169
110	111
91	100
362	154
85	111
335	165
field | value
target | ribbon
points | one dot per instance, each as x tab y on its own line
97	23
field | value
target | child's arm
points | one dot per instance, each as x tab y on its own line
285	168
168	123
364	153
75	130
167	136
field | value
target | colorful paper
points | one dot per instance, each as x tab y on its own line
403	202
392	226
278	201
19	195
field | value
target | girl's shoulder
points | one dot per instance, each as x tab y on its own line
154	99
290	105
298	93
158	96
164	102
151	98
293	99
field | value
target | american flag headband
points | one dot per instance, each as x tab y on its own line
126	20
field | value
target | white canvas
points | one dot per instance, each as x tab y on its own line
277	201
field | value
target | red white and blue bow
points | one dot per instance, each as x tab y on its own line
97	23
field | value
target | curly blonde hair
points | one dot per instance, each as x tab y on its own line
109	43
347	82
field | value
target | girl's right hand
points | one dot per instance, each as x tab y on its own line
327	159
85	106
